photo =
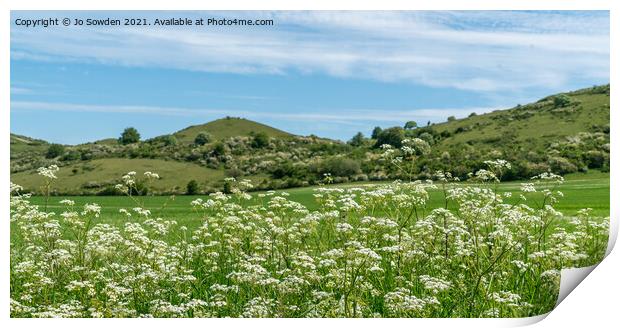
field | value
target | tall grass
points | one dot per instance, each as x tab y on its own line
376	251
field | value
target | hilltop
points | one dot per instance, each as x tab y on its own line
563	133
228	127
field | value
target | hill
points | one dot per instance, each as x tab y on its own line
538	123
563	133
228	127
98	174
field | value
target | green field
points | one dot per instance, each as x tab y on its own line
589	190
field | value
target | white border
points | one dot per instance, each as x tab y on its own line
586	308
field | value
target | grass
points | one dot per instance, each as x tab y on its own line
109	170
580	190
533	123
228	127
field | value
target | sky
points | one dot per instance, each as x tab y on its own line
326	73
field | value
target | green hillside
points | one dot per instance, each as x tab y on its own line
99	173
227	128
564	133
537	123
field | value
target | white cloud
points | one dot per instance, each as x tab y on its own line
477	51
349	116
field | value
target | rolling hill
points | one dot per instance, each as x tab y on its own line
563	133
536	123
228	127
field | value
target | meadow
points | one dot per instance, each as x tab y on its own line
581	190
442	248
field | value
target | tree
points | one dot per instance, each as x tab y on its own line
260	140
451	118
473	114
392	136
129	136
55	150
169	140
411	125
375	132
202	138
192	187
357	140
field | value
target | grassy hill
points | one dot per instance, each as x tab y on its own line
538	123
228	127
99	173
564	133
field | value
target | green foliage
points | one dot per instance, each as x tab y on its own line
410	125
392	136
202	138
219	149
192	188
339	166
260	140
170	140
357	140
375	132
55	150
535	137
561	100
451	118
130	135
394	249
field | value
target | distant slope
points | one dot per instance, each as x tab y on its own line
535	124
228	127
99	173
562	133
26	150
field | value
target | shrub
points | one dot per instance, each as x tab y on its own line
260	140
55	150
202	138
192	187
392	136
340	166
560	101
219	149
561	165
357	140
169	140
130	135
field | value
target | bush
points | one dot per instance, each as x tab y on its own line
260	140
202	138
357	140
130	135
169	140
71	155
219	149
560	101
392	136
375	132
55	150
340	167
561	165
451	118
192	187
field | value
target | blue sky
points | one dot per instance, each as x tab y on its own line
325	73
